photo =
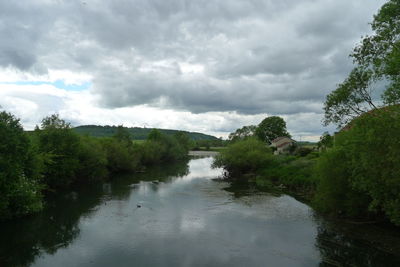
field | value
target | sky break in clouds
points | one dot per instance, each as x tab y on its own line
202	65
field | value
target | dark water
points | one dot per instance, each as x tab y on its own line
187	218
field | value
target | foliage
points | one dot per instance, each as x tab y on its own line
377	58
252	156
55	157
292	172
302	151
92	161
244	156
183	140
243	133
350	99
325	141
19	170
121	156
334	193
164	148
271	128
363	165
61	145
123	135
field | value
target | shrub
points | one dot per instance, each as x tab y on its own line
164	148
361	174
19	170
61	146
335	193
246	156
121	156
92	161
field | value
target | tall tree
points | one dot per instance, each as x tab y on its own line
61	145
271	128
377	59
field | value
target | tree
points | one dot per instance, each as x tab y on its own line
122	134
245	156
19	170
360	175
271	128
325	141
242	133
62	146
377	59
350	99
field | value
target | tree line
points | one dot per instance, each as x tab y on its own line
54	157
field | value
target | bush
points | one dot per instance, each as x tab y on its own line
246	156
164	148
302	151
335	193
295	173
121	156
361	175
92	161
19	170
60	145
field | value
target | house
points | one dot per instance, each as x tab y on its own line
282	144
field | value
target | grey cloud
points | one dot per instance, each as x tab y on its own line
258	56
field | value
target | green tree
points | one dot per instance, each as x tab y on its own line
377	59
245	156
184	140
122	134
62	146
271	128
121	153
92	160
350	99
20	191
361	173
242	133
325	141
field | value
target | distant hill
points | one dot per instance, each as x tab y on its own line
136	132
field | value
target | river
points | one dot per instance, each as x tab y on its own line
186	215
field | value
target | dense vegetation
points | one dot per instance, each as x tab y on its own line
360	175
136	133
55	157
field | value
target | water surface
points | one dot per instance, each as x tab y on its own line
181	215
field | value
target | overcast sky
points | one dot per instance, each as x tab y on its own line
200	65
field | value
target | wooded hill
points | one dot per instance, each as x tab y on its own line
137	133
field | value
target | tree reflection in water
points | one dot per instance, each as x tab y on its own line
339	243
344	244
23	240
